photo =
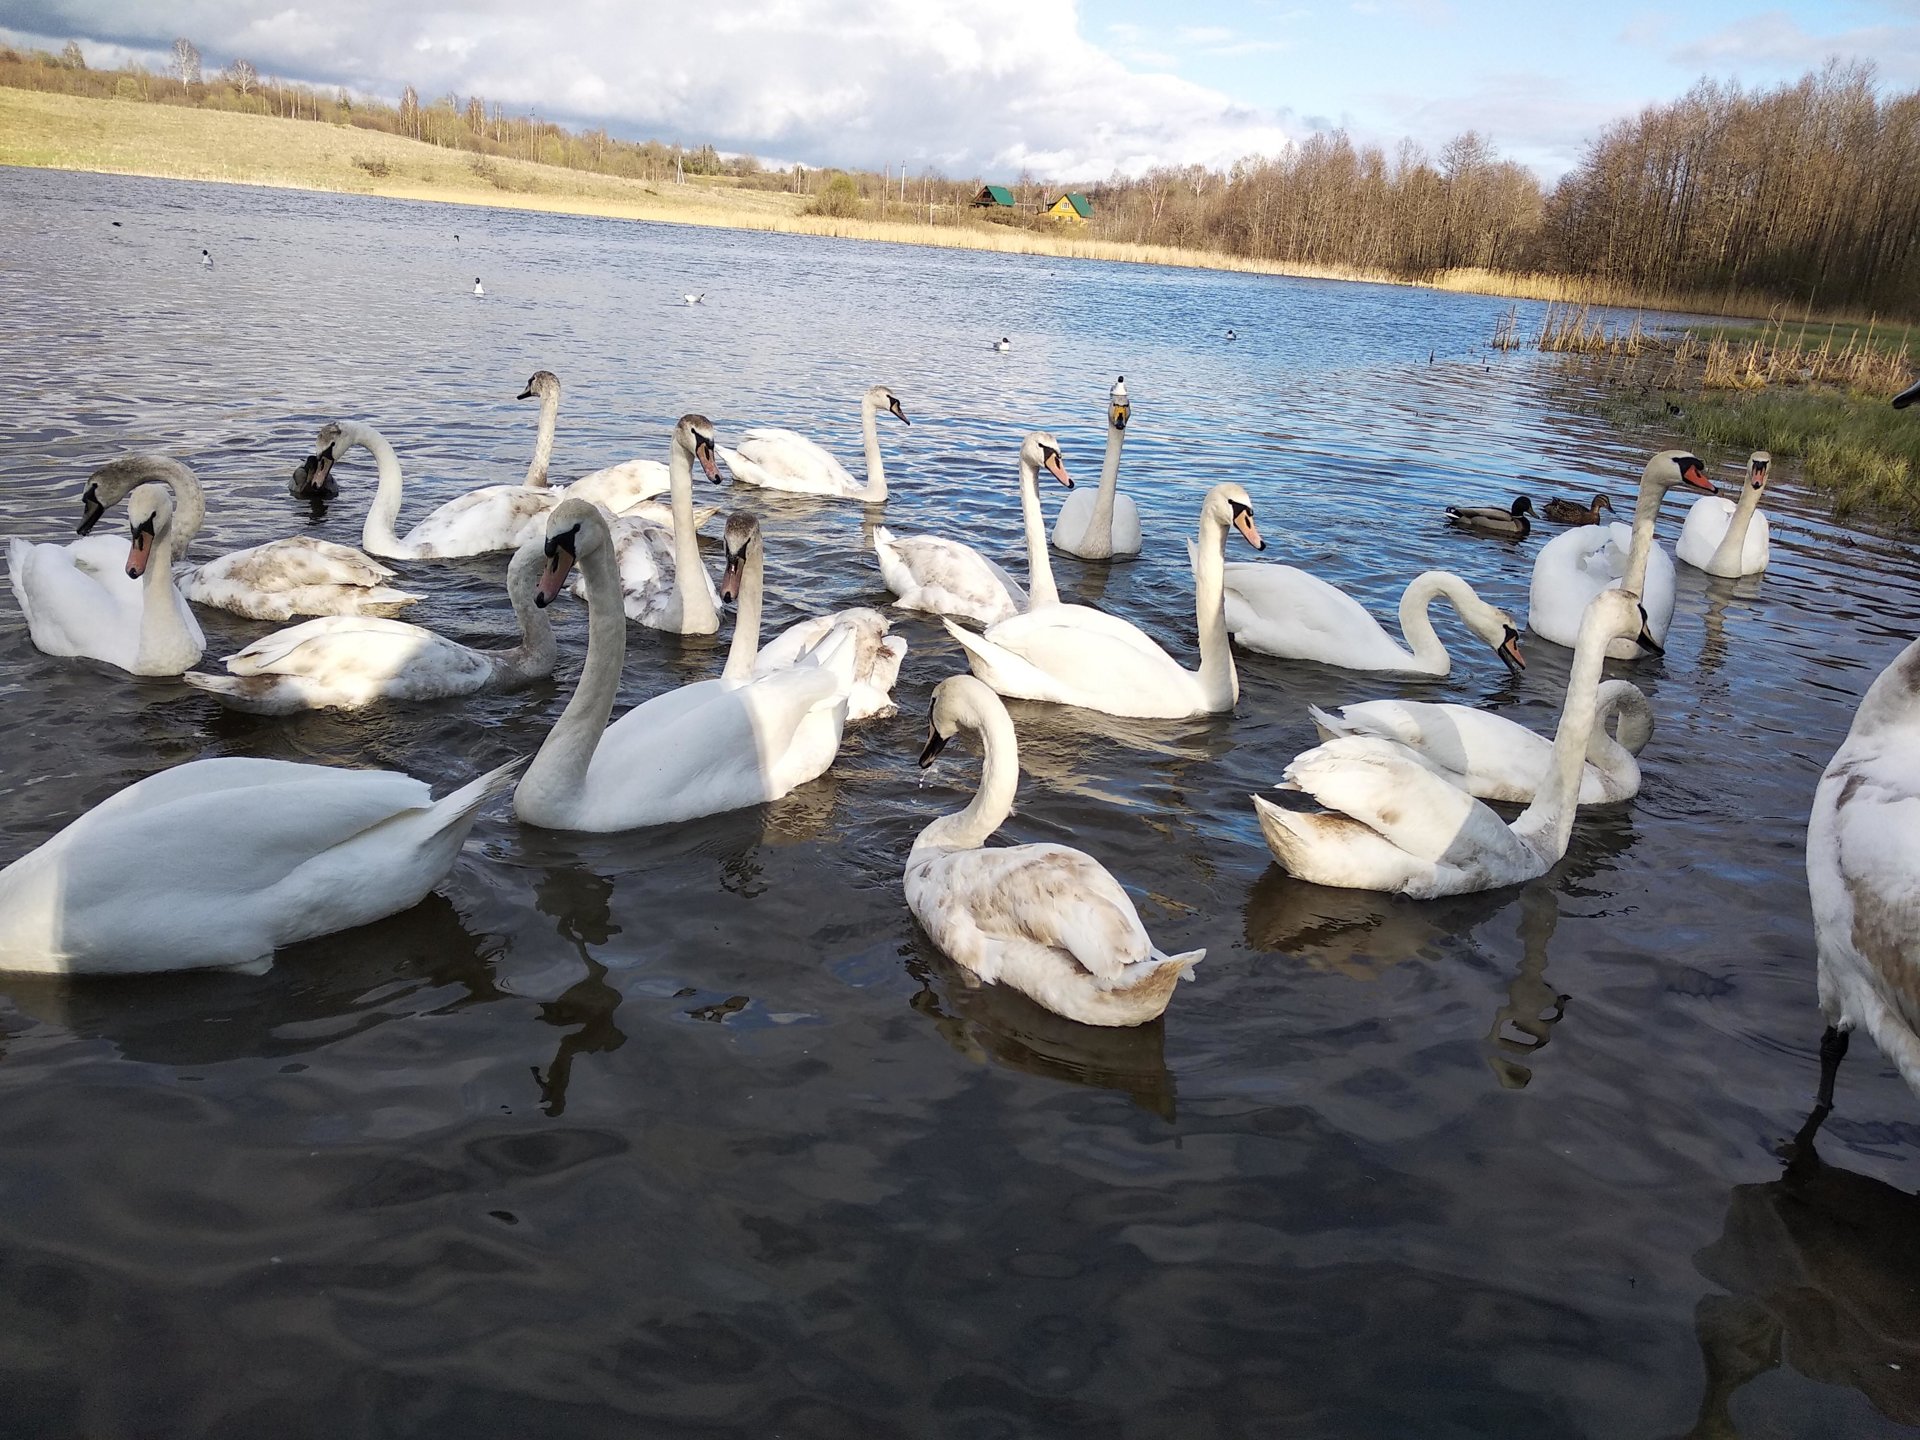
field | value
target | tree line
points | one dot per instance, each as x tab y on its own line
1807	192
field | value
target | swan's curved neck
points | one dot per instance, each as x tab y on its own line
543	440
876	488
163	628
696	602
376	535
1546	825
1416	618
189	512
1622	720
1727	556
537	651
745	647
1040	587
1098	540
1893	698
1219	681
558	773
968	829
1646	509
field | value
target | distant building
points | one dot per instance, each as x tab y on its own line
1072	206
993	197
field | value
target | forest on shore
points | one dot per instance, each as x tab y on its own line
1805	195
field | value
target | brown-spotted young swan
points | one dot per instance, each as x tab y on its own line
663	585
618	487
786	460
1101	524
348	662
947	577
1726	538
1392	824
1578	564
1047	920
1863	871
710	746
1075	655
109	599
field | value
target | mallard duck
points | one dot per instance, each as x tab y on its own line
1572	512
1508	524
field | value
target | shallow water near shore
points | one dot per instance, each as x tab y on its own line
690	1132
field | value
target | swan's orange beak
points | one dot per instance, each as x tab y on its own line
1509	651
1118	415
1057	469
1243	522
704	450
141	551
1695	474
733	575
559	566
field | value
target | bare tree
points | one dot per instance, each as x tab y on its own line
243	77
410	112
186	62
71	57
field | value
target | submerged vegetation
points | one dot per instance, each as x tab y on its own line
1726	201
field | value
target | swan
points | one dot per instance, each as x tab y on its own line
1863	871
1509	524
1279	610
1576	565
494	517
948	577
618	487
694	299
297	575
347	662
102	599
706	747
876	654
1098	525
1393	824
662	582
1494	758
787	460
1074	655
1048	920
215	864
206	257
1907	396
479	290
1725	538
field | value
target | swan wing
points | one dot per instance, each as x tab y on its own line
620	487
1393	792
495	517
1863	865
75	610
1050	657
360	651
787	460
946	577
1280	610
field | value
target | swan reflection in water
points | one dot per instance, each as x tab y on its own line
581	902
993	1022
1525	1023
1822	1270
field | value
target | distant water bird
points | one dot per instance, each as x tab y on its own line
1232	336
1675	411
1003	344
1907	396
694	299
206	259
116	224
1508	524
478	289
456	234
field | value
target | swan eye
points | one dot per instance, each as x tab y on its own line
565	541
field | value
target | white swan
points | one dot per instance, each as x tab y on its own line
1074	655
1392	824
1728	539
1047	920
215	864
1098	525
618	487
297	575
1284	611
1863	870
346	662
707	747
876	654
948	577
103	599
663	585
787	460
479	290
1495	758
494	517
1578	564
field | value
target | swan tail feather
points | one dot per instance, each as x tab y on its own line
256	694
1329	725
1186	960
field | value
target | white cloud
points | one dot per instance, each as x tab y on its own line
968	86
1776	41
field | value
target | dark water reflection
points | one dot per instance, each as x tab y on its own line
688	1132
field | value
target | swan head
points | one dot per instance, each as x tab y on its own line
1497	628
1757	464
884	399
1618	615
1119	411
149	516
542	383
694	435
576	529
313	480
741	540
959	703
114	481
1229	504
1042	452
1671	469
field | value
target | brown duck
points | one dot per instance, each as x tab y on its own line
1571	512
1508	524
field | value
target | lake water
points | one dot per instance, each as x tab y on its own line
689	1132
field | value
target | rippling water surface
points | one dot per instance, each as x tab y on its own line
690	1132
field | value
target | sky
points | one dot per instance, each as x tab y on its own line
1065	90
